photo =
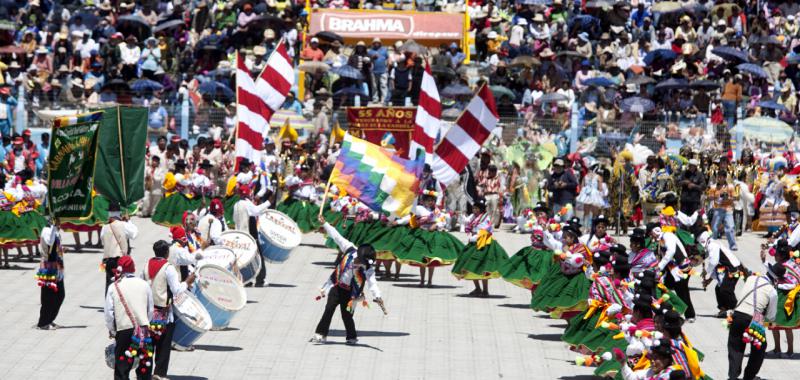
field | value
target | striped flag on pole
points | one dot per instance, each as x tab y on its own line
465	138
257	101
428	119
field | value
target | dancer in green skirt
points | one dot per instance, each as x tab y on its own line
527	267
787	318
428	245
483	257
178	198
564	290
300	204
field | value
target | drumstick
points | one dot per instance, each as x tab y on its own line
383	308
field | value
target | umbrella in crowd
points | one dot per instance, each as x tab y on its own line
659	55
87	18
216	90
350	90
329	36
119	86
347	71
267	21
146	85
672	84
167	25
502	91
136	25
553	98
599	82
412	46
295	120
730	53
525	61
666	7
766	129
637	104
753	69
771	104
704	85
314	67
456	90
640	80
443	70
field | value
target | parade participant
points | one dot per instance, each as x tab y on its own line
593	195
564	290
722	196
194	240
243	178
602	295
153	191
528	265
639	335
481	259
759	304
94	223
14	232
490	188
212	223
128	312
300	204
675	267
772	210
50	277
428	245
353	272
641	258
723	267
787	317
116	236
676	221
598	239
661	364
202	186
164	283
178	197
683	353
30	193
245	218
182	254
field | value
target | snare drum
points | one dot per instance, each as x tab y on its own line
191	319
221	293
219	255
248	261
278	234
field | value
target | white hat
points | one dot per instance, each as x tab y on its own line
721	22
492	35
259	50
694	162
314	40
538	18
522	21
76	33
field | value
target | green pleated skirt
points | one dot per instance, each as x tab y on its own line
783	320
558	292
303	213
527	267
483	264
169	211
429	248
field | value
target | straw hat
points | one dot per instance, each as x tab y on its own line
546	53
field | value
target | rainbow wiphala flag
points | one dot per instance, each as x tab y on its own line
381	180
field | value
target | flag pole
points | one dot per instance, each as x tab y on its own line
325	196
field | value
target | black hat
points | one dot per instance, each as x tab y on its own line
661	348
245	162
113	206
480	202
304	167
672	320
621	263
600	219
180	165
575	221
601	257
541	207
651	226
619	249
669	199
638	236
206	164
776	271
643	299
572	228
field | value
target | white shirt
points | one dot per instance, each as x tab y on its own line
181	256
244	209
131	231
672	244
345	246
766	297
715	250
130	56
109	311
174	283
211	229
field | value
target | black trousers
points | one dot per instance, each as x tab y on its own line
163	348
681	288
337	297
738	221
122	368
736	349
111	265
262	274
51	304
725	292
689	207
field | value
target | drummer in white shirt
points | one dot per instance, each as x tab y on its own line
245	218
164	282
212	223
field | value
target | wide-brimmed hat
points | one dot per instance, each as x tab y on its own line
546	53
541	207
538	18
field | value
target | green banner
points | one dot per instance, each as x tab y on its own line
71	165
121	155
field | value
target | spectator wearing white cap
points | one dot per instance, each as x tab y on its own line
312	52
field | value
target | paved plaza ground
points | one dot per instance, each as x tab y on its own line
436	333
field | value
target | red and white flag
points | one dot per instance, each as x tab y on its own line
465	138
428	119
257	100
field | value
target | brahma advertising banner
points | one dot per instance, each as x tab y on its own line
389	25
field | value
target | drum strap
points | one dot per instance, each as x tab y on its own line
136	328
119	242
